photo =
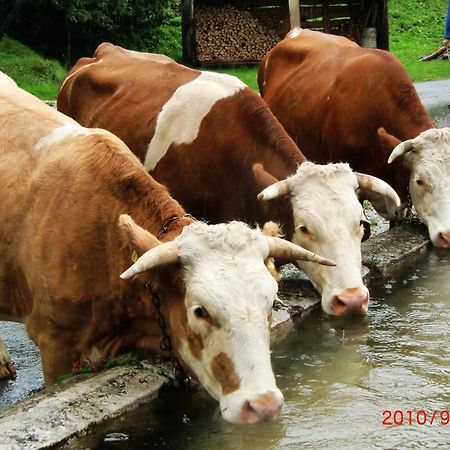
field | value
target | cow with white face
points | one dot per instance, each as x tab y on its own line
216	145
66	235
344	103
427	157
339	192
222	335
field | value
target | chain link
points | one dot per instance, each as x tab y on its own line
168	222
165	342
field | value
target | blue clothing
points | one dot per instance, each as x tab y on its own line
447	24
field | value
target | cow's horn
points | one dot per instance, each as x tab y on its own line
371	183
160	255
275	190
280	248
400	149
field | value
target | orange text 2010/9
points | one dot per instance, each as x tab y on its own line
419	417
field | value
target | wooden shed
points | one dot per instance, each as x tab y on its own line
238	32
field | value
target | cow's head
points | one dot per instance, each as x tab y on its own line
220	329
329	219
428	159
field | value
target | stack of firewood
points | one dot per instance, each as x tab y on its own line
231	34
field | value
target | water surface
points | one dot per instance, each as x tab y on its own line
339	377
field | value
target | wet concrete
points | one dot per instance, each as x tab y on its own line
28	364
64	411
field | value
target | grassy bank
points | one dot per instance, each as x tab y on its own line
29	70
416	28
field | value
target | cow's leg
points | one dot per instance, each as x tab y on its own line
57	358
7	369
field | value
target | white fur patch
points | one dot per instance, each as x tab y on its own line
224	272
429	164
63	132
325	203
6	81
180	118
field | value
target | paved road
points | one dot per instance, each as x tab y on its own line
435	95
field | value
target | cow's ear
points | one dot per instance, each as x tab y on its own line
263	178
387	142
135	236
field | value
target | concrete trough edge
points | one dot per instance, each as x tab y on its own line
60	413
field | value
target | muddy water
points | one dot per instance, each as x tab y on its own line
345	382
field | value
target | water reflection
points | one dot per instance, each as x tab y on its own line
338	377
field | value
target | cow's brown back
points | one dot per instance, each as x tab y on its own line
332	96
212	175
61	246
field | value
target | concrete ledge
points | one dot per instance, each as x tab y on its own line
61	413
389	250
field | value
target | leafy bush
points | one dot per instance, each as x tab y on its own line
69	29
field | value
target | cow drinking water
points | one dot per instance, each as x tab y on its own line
76	206
215	144
341	102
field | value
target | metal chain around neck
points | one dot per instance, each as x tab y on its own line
166	342
166	226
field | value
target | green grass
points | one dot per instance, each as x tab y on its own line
416	28
29	70
247	74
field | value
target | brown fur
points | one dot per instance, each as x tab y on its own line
62	249
237	133
333	96
223	369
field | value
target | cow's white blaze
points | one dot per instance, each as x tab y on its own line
71	129
327	219
225	274
180	118
429	183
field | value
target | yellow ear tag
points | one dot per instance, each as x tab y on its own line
134	256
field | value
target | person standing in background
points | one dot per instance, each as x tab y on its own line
446	41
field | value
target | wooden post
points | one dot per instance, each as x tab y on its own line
382	25
326	16
189	41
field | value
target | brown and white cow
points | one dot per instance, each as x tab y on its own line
341	102
215	144
70	196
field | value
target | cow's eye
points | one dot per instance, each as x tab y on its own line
419	182
304	229
201	312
